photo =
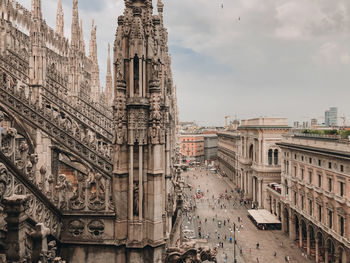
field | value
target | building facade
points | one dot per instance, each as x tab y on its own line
331	117
192	147
315	195
210	147
255	162
86	175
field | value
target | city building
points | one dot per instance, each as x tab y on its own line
316	195
314	123
331	117
80	180
210	147
192	147
251	158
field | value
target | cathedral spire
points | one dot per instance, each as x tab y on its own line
82	41
60	19
95	72
75	39
109	80
36	9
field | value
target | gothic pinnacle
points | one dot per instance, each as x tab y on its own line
60	19
82	41
109	80
36	9
75	39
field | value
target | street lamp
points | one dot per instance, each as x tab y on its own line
234	243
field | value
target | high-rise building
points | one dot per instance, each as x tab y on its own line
331	117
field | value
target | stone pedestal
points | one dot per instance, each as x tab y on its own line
17	228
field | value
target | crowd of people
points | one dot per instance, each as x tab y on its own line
220	229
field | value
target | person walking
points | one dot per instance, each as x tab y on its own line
257	246
275	254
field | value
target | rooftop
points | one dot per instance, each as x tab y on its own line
264	123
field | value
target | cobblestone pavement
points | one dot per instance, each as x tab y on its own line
247	235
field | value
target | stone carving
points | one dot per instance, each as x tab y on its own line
76	228
77	202
97	200
62	188
96	228
188	253
136	200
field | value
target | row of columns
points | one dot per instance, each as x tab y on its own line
252	186
292	235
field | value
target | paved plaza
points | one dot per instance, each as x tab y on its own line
274	246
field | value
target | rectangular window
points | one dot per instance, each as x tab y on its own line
341	186
319	163
302	158
330	219
310	177
319	213
302	202
302	174
329	184
295	198
341	168
310	207
310	160
329	165
341	223
319	180
295	156
295	171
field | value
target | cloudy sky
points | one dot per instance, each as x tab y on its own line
243	58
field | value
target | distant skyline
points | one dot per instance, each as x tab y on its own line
251	58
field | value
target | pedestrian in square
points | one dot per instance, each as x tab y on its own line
275	254
257	246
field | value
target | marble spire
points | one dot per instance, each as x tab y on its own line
109	80
60	19
75	39
95	72
82	41
36	9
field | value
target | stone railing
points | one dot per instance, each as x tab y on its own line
59	127
91	192
38	207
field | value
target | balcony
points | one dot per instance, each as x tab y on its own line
275	187
340	199
329	194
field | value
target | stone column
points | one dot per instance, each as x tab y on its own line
144	78
254	189
300	235
317	255
308	233
336	258
292	232
140	77
241	174
131	182
17	227
260	192
260	151
140	182
40	241
131	84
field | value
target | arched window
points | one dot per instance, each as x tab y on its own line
275	157
270	157
251	152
